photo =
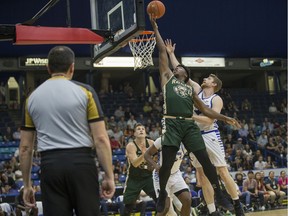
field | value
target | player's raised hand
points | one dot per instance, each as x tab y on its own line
169	46
233	122
153	21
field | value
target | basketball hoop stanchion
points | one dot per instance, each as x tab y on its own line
142	47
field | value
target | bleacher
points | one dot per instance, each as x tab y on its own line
110	102
260	102
7	150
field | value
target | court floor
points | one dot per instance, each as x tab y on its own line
278	212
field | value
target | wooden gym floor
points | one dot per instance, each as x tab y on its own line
278	212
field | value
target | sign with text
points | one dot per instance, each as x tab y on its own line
33	62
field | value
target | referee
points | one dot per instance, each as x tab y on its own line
67	118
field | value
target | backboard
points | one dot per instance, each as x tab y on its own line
125	18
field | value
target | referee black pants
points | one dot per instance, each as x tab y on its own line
69	183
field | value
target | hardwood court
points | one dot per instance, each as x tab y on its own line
278	212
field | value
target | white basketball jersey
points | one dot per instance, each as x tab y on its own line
178	159
208	103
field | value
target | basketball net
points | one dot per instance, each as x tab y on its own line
142	48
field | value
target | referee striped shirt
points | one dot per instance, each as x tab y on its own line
60	111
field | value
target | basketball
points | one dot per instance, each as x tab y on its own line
156	9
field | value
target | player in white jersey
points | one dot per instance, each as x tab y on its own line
176	187
211	136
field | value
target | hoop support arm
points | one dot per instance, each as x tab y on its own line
31	35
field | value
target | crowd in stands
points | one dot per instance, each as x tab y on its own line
259	144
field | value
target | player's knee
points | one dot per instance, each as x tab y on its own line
202	178
224	174
186	202
185	198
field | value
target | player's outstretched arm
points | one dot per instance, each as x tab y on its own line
213	114
165	72
170	48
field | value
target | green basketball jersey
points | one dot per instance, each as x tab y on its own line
142	170
177	98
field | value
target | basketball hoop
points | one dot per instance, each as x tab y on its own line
142	48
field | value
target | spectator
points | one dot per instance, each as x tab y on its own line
234	107
122	124
131	121
157	107
229	140
267	125
184	164
109	131
248	163
257	153
116	180
238	145
247	151
261	187
245	124
190	173
238	162
10	175
8	136
229	151
283	109
262	140
118	135
239	179
260	164
112	123
280	150
141	119
271	145
16	134
110	89
5	189
244	196
128	88
251	137
128	134
153	134
271	164
273	188
246	105
188	181
119	112
243	132
142	98
273	109
283	181
128	112
250	185
251	124
147	108
6	209
114	143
